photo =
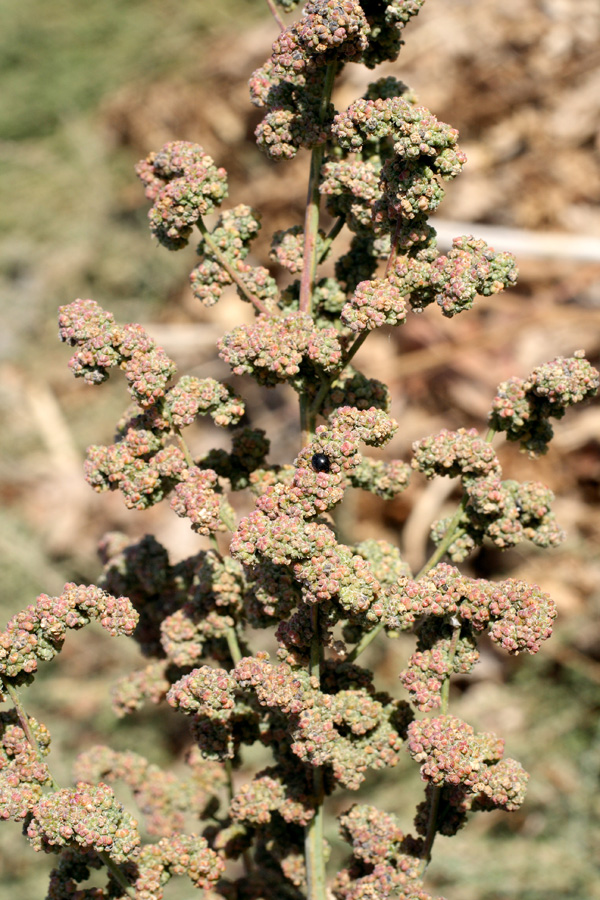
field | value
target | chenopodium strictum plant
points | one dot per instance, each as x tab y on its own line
378	167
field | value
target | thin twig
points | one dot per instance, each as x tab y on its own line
276	15
235	277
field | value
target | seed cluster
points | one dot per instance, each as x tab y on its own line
505	512
23	774
184	184
37	633
517	616
522	407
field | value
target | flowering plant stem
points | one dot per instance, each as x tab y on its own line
379	165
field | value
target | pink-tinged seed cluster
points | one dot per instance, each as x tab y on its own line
184	184
131	692
290	83
385	863
102	345
37	633
454	453
522	407
348	731
517	616
23	774
162	798
285	790
143	476
384	478
373	304
177	855
87	817
272	350
450	751
505	512
192	397
196	499
287	248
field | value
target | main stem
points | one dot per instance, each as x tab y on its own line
311	218
313	837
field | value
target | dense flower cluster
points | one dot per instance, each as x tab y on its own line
373	304
505	512
184	184
23	774
453	453
516	615
87	817
142	464
452	753
273	350
37	633
102	344
347	731
522	407
163	798
385	862
196	499
192	397
290	84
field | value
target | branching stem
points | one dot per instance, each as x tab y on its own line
235	276
276	15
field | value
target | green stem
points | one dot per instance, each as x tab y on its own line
24	721
183	446
311	218
337	227
276	15
313	836
233	645
225	263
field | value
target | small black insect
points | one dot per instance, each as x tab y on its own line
320	462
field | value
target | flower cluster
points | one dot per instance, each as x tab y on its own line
505	512
274	350
102	344
452	753
184	184
373	304
516	615
87	817
385	862
453	281
142	464
37	633
23	774
161	796
196	499
522	407
346	731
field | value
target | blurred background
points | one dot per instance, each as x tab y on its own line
90	88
